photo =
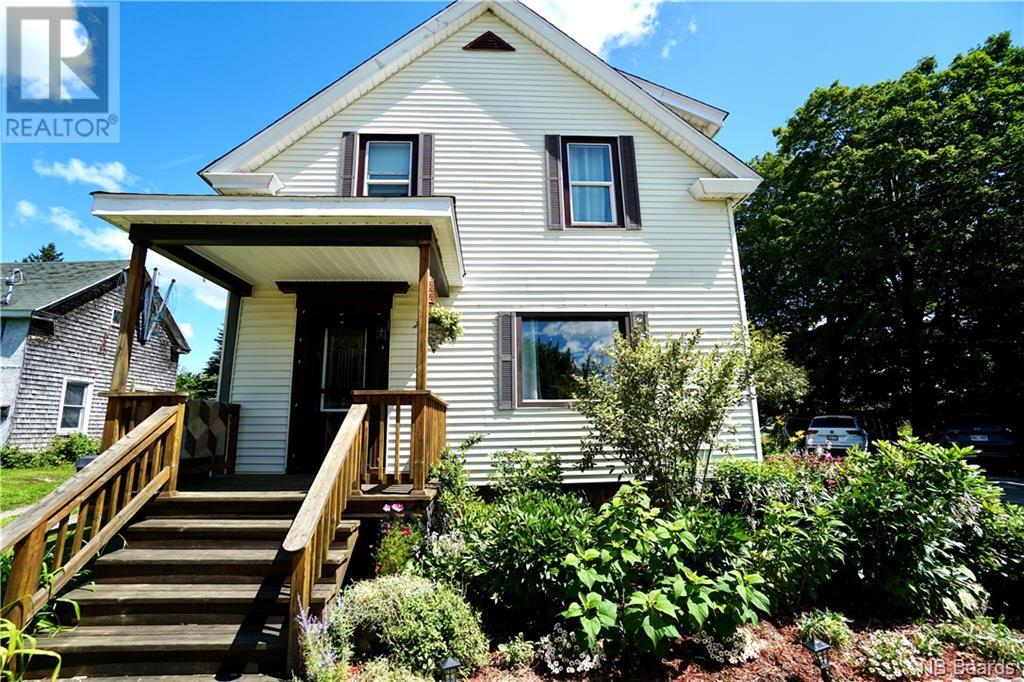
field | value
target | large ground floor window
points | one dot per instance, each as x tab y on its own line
553	348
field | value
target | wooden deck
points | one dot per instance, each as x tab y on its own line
369	504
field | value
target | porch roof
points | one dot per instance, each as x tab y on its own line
241	241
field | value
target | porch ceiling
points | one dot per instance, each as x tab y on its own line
242	241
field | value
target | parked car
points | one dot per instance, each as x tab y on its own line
836	432
996	445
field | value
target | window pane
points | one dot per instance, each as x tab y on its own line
388	160
71	418
75	394
344	366
591	204
553	351
387	190
590	163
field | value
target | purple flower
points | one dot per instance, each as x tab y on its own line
397	507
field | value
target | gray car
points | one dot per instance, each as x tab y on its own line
836	432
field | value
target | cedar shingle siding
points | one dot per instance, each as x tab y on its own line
80	344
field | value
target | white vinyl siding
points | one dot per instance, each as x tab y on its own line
261	380
490	112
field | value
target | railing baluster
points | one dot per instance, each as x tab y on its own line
58	545
398	443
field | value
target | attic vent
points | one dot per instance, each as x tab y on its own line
490	42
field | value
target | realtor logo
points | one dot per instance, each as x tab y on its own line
61	77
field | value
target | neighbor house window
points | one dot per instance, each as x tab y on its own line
74	406
591	178
552	349
388	166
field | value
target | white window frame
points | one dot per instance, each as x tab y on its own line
366	171
610	184
83	421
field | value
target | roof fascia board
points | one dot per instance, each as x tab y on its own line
264	184
711	118
251	154
717	189
592	68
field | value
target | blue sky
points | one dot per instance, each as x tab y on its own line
198	78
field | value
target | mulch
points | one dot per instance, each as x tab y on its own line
782	659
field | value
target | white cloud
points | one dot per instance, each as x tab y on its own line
112	241
692	26
666	49
111	176
26	209
602	25
187	330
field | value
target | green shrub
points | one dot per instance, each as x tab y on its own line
798	550
518	654
827	626
890	655
516	554
720	540
399	540
382	670
927	643
72	447
908	507
997	557
63	450
414	623
747	487
13	457
455	495
633	590
990	639
518	471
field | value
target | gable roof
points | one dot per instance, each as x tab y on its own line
628	93
50	283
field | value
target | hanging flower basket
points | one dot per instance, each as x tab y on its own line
444	327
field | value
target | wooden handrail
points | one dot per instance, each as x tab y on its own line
313	529
106	495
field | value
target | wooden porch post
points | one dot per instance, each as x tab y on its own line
422	317
129	318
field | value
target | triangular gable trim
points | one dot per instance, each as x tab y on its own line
276	137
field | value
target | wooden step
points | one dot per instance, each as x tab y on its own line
198	532
229	505
171	649
183	565
165	604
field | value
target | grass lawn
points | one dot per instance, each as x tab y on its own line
20	487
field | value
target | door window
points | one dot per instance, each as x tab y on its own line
344	368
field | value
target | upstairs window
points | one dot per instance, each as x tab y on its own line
591	184
73	411
389	166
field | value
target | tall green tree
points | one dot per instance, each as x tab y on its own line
888	239
47	253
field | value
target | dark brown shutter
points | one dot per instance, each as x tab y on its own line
506	369
553	180
630	187
638	324
348	156
426	164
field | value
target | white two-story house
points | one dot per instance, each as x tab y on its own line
551	198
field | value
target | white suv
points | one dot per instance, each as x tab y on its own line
836	432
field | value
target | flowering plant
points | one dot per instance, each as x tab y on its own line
400	536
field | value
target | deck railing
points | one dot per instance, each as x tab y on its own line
68	527
312	532
127	409
426	416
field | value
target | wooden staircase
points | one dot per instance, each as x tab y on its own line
201	586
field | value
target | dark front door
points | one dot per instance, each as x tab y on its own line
339	347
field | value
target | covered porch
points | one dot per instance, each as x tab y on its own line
351	281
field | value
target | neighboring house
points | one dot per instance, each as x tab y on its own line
559	200
59	335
